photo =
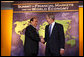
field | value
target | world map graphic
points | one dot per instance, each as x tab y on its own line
20	26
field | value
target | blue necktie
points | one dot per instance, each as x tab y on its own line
50	29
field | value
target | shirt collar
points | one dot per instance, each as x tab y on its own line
53	23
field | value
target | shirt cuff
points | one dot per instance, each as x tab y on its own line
61	49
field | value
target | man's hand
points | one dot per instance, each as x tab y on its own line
61	51
42	40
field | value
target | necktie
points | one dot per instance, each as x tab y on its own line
50	29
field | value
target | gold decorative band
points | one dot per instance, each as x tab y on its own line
44	11
47	3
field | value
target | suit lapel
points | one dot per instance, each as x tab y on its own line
47	28
54	29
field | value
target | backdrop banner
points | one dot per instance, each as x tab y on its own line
66	13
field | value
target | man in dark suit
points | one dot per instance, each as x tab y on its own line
32	39
54	36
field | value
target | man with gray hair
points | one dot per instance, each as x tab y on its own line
54	36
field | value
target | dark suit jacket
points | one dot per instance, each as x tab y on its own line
57	39
31	40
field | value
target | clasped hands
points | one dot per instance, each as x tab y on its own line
42	40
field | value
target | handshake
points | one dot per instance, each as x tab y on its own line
42	40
